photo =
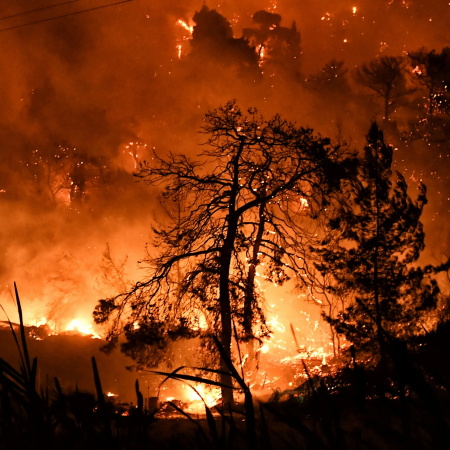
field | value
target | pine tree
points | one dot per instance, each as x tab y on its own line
385	76
371	255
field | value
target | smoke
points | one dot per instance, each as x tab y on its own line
93	83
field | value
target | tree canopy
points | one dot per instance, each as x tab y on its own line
386	77
372	251
249	200
431	71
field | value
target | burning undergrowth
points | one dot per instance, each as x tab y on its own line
318	413
64	353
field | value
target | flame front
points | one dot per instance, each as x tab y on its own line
82	327
190	29
184	25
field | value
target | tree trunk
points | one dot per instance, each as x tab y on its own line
378	317
386	108
431	90
333	335
224	294
225	313
250	292
225	310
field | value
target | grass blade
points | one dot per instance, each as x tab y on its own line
183	377
22	334
230	365
238	349
101	403
140	398
209	417
15	337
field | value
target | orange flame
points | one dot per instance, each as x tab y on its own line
184	25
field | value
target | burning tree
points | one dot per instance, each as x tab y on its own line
372	257
51	173
251	200
213	36
63	174
431	71
274	42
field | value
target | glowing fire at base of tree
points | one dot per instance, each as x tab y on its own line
211	396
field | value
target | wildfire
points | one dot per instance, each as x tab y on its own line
261	52
264	348
82	327
184	25
203	322
211	396
42	327
192	400
275	324
42	321
304	203
190	29
133	149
